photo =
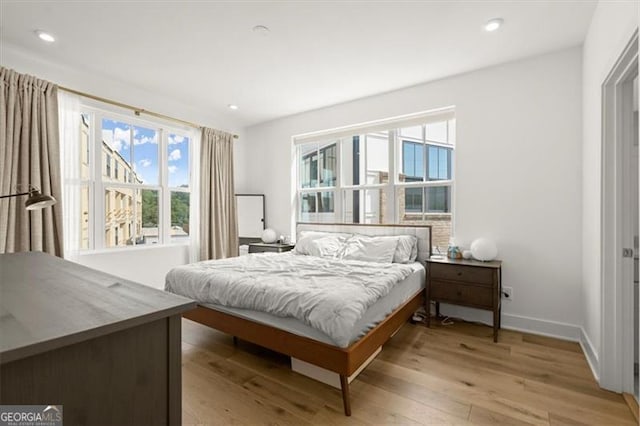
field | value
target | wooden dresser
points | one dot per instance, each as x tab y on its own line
106	349
465	282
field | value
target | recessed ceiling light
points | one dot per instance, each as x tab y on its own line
233	107
261	29
493	24
45	36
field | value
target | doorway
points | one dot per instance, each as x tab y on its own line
620	223
631	189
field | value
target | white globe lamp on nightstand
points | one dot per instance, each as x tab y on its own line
269	236
484	249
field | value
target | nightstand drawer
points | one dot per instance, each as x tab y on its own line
270	247
472	274
470	295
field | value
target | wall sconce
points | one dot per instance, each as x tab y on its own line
36	199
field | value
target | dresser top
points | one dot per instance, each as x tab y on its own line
489	264
47	302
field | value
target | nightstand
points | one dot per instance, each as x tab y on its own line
465	282
270	247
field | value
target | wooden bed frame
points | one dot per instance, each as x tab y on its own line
343	361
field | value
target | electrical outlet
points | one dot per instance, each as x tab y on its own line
507	293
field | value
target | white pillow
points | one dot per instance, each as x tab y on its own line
305	246
407	249
370	249
330	246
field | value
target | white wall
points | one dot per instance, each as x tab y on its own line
145	265
612	26
518	174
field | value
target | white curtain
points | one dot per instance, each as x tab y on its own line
70	146
194	199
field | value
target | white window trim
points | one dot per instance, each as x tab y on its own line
331	136
96	185
419	118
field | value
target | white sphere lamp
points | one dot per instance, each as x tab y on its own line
269	236
484	249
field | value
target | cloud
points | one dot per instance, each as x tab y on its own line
145	139
173	169
175	155
118	139
145	162
174	139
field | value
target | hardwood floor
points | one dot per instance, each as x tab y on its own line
449	375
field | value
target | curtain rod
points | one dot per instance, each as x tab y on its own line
137	111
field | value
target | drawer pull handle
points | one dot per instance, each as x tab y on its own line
459	273
459	293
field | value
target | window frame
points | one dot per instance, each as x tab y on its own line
318	189
395	158
426	183
97	185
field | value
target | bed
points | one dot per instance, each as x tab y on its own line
343	345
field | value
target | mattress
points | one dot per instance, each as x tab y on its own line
399	294
327	293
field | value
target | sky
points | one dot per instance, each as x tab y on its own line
143	155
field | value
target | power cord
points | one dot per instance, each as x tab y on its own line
447	321
421	315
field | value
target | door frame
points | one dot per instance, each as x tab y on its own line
616	350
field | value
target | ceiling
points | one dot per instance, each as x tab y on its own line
317	53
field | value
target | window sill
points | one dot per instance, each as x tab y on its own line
81	253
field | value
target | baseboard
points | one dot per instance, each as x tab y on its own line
556	329
590	353
632	403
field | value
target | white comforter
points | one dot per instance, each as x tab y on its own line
327	294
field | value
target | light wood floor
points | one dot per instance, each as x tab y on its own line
444	375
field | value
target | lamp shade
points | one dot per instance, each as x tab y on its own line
484	249
37	201
269	236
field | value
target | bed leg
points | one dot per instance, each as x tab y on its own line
346	399
235	341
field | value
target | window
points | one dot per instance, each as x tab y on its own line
178	172
319	166
438	167
398	174
412	161
425	179
143	173
318	169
